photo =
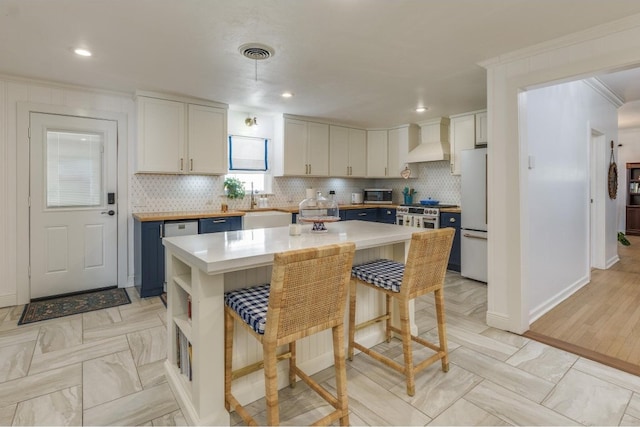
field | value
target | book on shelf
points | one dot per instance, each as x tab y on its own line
189	308
183	354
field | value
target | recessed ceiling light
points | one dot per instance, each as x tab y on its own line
421	109
82	52
287	95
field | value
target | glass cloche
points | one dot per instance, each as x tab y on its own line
318	210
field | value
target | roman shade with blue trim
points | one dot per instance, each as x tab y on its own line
247	153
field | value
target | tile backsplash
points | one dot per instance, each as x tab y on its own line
177	193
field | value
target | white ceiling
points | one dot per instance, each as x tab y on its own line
362	62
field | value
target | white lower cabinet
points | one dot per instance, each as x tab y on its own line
179	137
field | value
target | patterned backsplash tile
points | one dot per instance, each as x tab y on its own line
176	193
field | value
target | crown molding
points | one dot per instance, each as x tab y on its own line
596	32
604	90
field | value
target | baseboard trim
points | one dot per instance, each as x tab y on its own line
8	300
550	303
500	321
612	261
584	352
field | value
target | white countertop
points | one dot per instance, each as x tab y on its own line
236	250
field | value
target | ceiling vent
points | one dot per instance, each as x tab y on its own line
256	51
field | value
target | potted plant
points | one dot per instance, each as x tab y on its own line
233	188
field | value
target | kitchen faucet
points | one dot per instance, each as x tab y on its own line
253	199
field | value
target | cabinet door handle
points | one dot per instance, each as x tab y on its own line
309	168
161	236
191	165
181	163
362	214
219	221
471	236
452	220
385	171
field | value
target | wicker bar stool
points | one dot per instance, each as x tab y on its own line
423	272
307	294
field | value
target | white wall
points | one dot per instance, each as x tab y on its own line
607	47
559	120
629	152
14	169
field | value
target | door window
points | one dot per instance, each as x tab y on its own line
74	169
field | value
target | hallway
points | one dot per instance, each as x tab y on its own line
602	320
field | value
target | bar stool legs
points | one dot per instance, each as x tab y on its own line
423	273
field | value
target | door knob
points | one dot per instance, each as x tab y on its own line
109	212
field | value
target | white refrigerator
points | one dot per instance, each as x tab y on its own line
473	175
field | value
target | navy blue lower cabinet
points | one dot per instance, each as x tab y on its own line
449	219
387	215
217	225
294	218
149	258
366	214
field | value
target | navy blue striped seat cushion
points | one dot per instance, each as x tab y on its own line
383	273
250	304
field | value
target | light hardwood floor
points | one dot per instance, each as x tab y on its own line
106	368
602	320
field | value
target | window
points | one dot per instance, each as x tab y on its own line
249	159
74	169
248	153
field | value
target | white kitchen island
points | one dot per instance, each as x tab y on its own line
201	268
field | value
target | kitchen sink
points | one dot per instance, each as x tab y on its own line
265	219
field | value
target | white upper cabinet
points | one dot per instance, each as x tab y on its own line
481	128
401	140
463	137
161	135
207	148
306	148
347	148
377	155
387	151
179	137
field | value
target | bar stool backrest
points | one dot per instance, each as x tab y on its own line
308	291
426	264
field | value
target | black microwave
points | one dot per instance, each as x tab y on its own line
378	195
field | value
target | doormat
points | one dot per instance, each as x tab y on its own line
61	306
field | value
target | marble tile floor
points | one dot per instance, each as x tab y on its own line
106	368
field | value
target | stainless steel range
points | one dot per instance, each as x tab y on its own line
420	216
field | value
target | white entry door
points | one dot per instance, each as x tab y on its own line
73	221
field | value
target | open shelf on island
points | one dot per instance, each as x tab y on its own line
184	281
184	324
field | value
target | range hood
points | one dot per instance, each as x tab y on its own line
434	142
